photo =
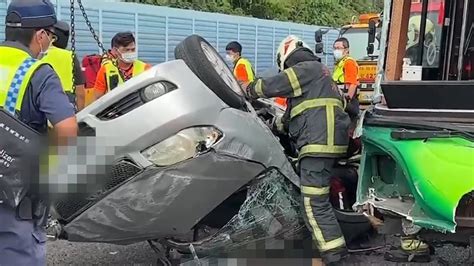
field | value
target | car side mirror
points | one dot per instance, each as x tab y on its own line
371	38
318	36
370	49
319	49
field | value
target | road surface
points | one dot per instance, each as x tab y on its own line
65	253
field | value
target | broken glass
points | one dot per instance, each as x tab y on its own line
271	211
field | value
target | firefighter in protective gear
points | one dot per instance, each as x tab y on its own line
317	124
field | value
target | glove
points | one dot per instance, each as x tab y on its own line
279	125
244	86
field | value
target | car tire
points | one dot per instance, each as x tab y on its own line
195	52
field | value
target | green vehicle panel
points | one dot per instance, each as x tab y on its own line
422	180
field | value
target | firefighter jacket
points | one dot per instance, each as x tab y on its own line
317	122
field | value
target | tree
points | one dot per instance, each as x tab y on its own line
315	12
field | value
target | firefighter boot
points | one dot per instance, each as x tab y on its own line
411	250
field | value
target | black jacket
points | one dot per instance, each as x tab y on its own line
317	123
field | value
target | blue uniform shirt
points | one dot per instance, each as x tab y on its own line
22	241
44	97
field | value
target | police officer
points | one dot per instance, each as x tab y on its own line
61	61
29	34
318	125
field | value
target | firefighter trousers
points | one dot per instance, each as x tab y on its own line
318	213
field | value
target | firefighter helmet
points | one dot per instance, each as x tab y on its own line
414	27
287	47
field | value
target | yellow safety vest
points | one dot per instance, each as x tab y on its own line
111	70
248	68
16	69
338	74
61	61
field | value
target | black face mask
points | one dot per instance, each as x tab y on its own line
62	40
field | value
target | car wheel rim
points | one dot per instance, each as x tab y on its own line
221	68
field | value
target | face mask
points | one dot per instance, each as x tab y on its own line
338	54
129	57
44	52
229	58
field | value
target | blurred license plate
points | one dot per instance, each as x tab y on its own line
367	73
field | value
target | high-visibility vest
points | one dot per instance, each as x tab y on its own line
338	74
111	70
61	61
16	69
248	68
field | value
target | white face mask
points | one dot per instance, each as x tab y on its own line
338	54
44	52
129	57
229	58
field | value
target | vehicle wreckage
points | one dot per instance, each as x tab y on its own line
179	157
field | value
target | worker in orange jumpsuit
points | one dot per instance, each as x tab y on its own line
243	70
346	76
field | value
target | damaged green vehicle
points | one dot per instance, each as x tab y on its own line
417	166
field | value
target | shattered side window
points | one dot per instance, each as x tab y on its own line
271	210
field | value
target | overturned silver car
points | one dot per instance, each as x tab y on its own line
178	156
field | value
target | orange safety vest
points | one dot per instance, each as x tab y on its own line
243	70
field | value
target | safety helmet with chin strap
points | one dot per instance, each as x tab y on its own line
287	47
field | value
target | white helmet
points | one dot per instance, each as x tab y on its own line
414	26
289	45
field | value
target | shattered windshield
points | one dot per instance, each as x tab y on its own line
271	211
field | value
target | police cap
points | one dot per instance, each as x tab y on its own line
30	14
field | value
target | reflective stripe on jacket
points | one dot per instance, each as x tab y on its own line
15	63
248	75
113	73
61	61
317	121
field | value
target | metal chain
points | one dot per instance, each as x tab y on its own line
91	29
73	46
94	34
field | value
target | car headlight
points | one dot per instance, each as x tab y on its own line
186	144
156	90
